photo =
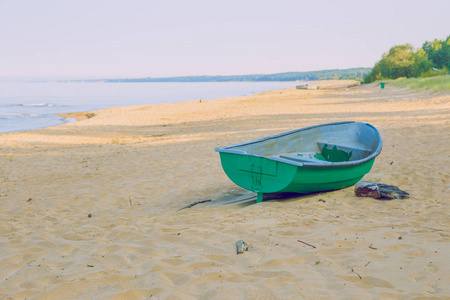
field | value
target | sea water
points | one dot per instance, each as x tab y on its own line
33	105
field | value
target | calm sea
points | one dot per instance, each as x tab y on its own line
33	105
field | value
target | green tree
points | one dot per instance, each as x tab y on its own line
400	61
421	63
438	52
375	74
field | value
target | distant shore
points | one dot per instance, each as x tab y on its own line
332	74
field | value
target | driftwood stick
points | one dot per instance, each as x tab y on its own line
195	203
355	273
241	246
306	243
379	190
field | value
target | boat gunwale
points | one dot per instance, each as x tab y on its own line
318	164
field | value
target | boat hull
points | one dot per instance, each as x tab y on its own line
262	175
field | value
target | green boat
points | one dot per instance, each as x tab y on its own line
312	159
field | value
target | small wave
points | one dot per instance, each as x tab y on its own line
30	115
35	104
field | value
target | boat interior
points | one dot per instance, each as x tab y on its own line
329	153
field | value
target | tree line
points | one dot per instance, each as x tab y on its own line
432	59
353	73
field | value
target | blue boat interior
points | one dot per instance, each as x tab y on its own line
329	153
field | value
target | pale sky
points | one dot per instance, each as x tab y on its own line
158	38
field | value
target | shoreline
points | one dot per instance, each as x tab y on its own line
90	209
37	105
78	116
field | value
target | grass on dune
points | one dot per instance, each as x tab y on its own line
433	84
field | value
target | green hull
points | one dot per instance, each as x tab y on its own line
317	158
263	176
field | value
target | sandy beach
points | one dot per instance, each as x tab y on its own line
89	210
